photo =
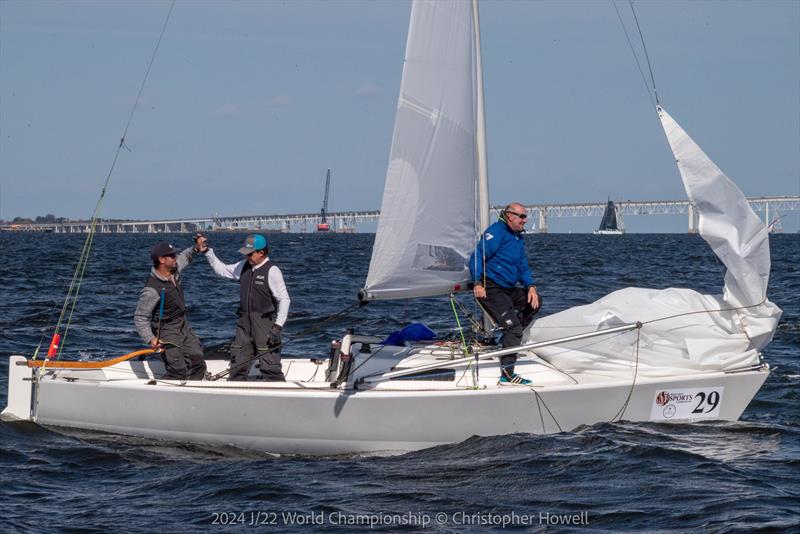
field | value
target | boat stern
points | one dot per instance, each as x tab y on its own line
20	390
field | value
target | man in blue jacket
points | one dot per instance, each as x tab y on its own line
498	265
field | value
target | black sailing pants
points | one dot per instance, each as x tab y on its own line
509	308
253	341
183	353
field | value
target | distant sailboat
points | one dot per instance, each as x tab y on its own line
611	224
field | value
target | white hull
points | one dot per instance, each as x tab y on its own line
310	417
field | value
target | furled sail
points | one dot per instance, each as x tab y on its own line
703	332
428	224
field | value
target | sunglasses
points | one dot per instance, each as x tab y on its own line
520	215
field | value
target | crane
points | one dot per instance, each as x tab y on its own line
323	226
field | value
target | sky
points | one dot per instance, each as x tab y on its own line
249	102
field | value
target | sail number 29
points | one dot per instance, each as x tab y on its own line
706	403
693	403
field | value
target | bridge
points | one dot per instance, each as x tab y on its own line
347	221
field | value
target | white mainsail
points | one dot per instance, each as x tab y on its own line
705	332
430	202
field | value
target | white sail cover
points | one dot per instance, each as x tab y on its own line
427	226
690	332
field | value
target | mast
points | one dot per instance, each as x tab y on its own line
480	137
480	132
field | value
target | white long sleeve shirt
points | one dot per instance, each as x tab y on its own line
232	271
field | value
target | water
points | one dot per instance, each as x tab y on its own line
625	476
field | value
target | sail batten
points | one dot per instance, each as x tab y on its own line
430	202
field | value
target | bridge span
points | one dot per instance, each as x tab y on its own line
347	221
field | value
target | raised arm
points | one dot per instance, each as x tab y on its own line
231	271
185	257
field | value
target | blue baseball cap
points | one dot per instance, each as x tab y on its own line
253	243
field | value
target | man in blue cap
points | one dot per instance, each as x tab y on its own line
160	316
263	308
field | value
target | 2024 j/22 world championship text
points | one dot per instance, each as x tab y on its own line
417	519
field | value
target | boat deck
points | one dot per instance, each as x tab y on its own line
303	374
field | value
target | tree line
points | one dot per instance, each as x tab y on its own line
40	219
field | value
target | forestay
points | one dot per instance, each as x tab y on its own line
704	332
428	214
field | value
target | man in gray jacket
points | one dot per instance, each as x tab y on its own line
162	308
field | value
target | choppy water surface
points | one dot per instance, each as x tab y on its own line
711	476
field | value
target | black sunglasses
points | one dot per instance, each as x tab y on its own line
520	215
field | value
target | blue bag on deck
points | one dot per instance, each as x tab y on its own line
413	332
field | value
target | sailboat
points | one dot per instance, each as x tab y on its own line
609	225
637	354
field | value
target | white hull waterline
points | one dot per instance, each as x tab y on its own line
307	416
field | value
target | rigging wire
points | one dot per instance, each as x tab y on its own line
458	323
636	57
621	412
71	299
464	342
718	310
322	322
646	56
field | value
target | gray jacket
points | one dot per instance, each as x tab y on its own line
149	298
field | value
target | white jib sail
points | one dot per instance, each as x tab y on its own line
427	226
708	333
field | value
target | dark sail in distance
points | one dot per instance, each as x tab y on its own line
609	221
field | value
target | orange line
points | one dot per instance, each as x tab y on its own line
88	365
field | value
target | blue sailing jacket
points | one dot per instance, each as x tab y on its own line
504	253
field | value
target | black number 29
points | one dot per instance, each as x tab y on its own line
711	401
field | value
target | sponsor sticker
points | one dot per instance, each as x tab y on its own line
674	404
